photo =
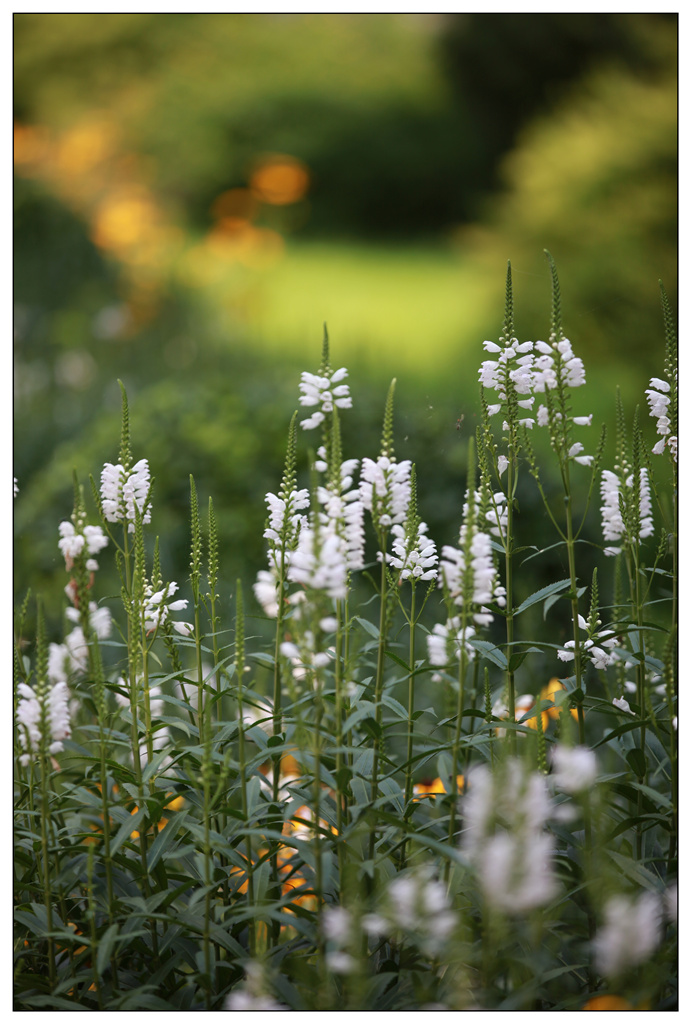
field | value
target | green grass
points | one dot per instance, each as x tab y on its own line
401	307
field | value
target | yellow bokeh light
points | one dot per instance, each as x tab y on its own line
123	219
84	147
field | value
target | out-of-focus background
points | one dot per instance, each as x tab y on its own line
196	194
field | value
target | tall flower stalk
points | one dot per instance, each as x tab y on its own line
467	574
557	371
414	559
385	493
511	376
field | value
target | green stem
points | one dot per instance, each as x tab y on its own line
47	895
245	817
508	558
411	709
378	689
341	790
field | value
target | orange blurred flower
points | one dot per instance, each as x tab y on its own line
279	179
550	692
525	703
235	203
608	1003
435	788
31	146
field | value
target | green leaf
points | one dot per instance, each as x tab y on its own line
165	839
395	706
516	660
491	652
105	947
626	727
364	709
368	627
637	761
399	661
126	830
539	595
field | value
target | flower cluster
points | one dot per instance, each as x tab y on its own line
282	531
340	933
631	932
574	769
319	561
284	514
612	493
325	391
598	646
414	555
556	368
121	492
660	400
342	510
72	543
505	837
468	573
72	655
158	606
447	641
557	365
31	714
416	904
510	375
385	490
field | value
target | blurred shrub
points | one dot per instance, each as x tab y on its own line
595	182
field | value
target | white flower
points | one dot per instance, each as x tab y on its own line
597	647
320	391
158	606
573	768
284	514
417	904
502	463
414	557
385	490
242	1001
445	642
556	363
319	561
612	523
59	716
505	814
120	494
622	704
16	487
344	514
29	719
99	619
510	373
266	593
71	542
662	402
611	491
631	932
337	923
476	578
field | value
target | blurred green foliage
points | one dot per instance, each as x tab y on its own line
437	148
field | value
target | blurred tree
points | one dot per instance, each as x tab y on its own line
401	119
507	68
